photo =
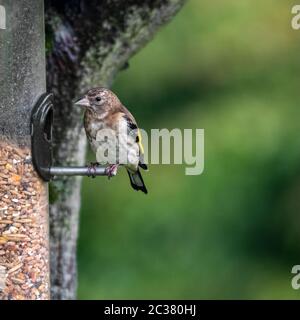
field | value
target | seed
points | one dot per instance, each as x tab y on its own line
17	280
2	240
24	254
24	220
6	221
15	268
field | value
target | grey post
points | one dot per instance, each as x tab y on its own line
22	64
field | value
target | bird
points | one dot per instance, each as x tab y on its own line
104	111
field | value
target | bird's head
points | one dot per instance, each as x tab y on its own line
98	100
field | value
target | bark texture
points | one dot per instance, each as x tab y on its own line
87	43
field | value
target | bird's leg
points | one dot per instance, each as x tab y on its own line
111	170
92	169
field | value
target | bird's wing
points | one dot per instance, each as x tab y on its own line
132	126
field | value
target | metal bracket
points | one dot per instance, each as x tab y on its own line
41	144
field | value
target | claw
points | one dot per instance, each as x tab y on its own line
92	169
112	170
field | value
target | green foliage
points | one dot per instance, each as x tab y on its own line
231	68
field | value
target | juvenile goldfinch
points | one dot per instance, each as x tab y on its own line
105	113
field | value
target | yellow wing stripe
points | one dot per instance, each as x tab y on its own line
140	142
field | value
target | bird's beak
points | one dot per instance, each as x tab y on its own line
83	102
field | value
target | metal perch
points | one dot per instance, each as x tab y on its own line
77	171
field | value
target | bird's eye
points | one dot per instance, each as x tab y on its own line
98	99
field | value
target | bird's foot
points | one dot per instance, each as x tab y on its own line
92	169
111	170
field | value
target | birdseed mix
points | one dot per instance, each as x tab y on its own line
24	251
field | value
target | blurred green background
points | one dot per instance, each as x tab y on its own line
232	68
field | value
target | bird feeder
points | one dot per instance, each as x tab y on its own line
24	236
26	164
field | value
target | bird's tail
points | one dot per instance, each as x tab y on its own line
137	181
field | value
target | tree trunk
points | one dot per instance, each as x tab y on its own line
87	43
